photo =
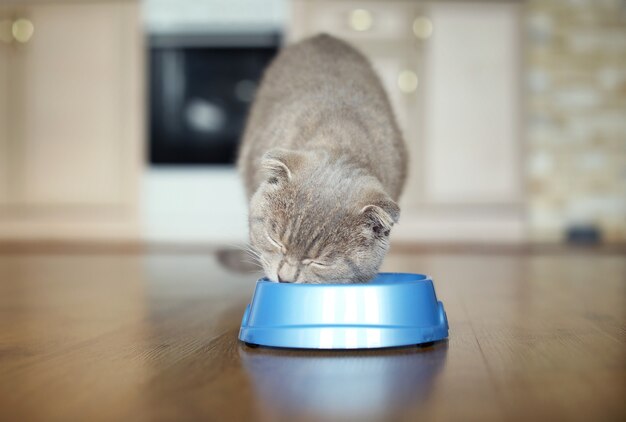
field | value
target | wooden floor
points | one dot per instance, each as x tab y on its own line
96	336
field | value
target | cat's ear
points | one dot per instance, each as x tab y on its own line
280	164
380	215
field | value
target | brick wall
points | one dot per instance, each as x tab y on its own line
576	111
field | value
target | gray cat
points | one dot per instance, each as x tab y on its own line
323	163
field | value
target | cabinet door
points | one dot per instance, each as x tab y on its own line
5	44
472	151
71	105
459	107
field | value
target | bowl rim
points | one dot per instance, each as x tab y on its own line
407	278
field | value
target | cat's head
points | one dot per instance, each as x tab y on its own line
316	220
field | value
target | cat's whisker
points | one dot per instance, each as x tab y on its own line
252	254
254	259
235	245
251	249
255	263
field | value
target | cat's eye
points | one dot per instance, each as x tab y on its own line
276	244
314	263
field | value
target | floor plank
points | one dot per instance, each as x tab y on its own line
152	336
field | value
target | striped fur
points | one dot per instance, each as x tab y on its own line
323	163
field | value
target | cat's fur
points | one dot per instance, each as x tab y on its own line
323	163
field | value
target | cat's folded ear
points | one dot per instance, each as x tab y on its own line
381	214
280	164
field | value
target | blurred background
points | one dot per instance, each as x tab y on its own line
120	120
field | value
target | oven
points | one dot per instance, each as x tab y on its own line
200	90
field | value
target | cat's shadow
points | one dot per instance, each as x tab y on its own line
344	384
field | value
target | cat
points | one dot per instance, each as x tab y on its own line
324	163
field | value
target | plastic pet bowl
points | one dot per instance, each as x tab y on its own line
394	309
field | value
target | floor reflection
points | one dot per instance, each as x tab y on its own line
343	384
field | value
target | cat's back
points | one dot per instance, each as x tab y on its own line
319	85
318	66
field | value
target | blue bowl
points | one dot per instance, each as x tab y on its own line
394	309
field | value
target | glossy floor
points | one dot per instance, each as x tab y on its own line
153	337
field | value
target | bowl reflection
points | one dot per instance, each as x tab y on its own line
341	384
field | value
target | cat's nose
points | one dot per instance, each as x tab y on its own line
282	278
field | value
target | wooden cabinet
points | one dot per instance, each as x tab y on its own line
70	119
453	74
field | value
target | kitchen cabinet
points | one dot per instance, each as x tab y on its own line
70	119
453	74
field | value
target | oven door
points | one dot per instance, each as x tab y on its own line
201	89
